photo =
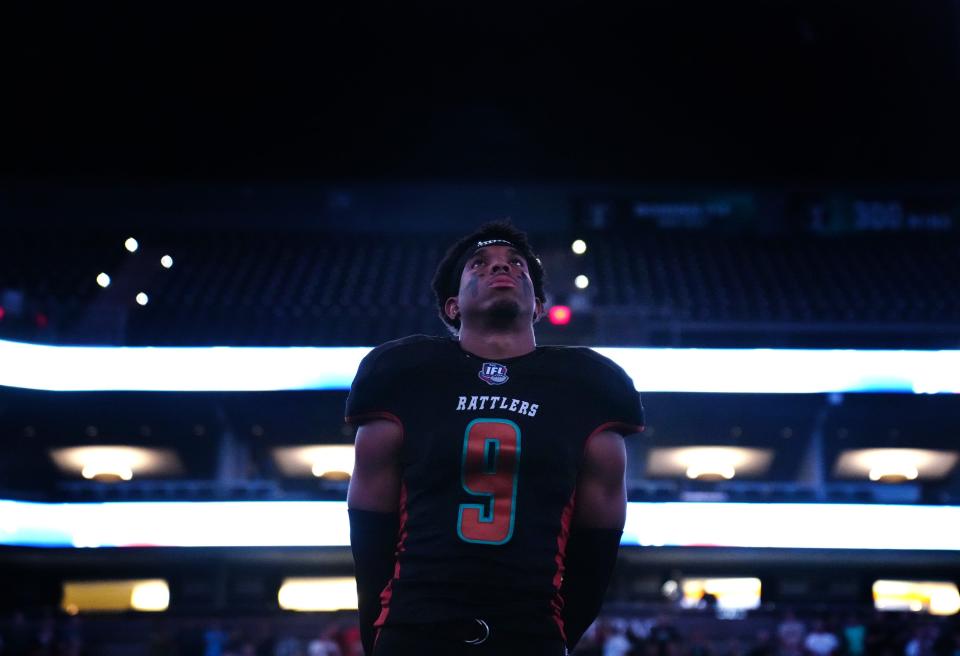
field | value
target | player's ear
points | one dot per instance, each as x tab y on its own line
537	311
452	308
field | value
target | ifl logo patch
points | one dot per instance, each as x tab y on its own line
493	374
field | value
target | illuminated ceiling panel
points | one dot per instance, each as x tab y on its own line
708	462
320	460
115	462
895	465
221	368
147	595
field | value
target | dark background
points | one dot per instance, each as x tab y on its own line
765	92
256	142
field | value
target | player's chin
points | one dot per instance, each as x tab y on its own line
504	308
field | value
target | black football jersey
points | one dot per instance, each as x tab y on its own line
490	455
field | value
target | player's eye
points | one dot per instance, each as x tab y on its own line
476	262
518	261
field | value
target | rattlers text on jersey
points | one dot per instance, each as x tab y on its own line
490	455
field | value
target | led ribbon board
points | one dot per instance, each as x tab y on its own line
245	369
325	524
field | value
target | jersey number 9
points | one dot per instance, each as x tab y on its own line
491	459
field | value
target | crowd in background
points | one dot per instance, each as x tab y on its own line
783	633
673	632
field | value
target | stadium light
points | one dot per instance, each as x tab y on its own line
318	594
708	462
579	247
145	595
114	463
895	465
131	244
933	597
166	261
103	280
142	298
326	524
731	594
150	596
581	281
247	369
559	315
330	461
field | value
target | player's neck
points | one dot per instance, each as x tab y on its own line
497	345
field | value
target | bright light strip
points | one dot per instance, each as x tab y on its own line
911	464
907	472
789	371
150	596
121	461
936	597
325	524
697	461
725	470
793	526
175	524
187	369
730	593
146	595
317	460
318	594
109	460
242	369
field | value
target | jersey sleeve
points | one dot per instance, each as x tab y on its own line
617	402
374	392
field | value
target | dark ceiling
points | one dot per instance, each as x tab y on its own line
753	92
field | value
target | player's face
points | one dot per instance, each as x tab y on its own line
496	280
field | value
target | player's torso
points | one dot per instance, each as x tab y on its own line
489	463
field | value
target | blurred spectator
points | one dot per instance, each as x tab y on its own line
699	645
881	638
922	640
325	644
19	639
854	635
821	641
71	638
322	647
790	634
948	642
633	632
214	639
288	646
664	635
763	644
161	641
45	640
616	642
733	647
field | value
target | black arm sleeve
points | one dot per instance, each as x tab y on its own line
591	555
373	540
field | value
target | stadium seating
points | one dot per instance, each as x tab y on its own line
654	287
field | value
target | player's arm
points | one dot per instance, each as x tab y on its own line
373	504
599	516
